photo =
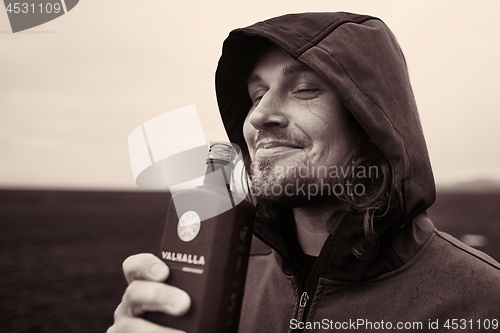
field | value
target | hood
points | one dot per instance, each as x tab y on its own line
361	60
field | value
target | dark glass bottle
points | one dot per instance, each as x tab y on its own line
206	244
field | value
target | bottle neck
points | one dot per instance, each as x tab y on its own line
225	168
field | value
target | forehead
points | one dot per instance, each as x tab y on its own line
273	60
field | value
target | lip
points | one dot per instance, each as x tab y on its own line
275	145
273	149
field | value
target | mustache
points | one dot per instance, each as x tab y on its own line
280	134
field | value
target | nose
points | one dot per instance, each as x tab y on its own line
268	114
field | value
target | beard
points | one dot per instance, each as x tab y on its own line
293	185
286	182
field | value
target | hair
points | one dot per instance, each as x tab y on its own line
374	202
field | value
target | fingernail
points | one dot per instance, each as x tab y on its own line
158	270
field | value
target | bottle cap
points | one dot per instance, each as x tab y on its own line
223	152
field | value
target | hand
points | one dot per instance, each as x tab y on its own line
146	291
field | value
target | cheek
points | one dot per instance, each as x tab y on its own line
332	142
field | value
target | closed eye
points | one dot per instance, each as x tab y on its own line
307	93
257	95
256	100
304	91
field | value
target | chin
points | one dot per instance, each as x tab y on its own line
270	184
283	201
282	192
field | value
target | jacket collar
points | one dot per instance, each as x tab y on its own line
397	246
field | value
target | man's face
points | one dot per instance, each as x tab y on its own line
295	129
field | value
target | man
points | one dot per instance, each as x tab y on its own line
317	101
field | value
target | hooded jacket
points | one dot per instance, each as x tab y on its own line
419	275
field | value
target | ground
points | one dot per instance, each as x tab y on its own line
61	251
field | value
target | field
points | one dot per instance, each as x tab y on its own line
61	251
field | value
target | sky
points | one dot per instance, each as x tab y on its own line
73	89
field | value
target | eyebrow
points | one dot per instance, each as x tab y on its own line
286	71
253	78
297	68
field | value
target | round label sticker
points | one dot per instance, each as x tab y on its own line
189	226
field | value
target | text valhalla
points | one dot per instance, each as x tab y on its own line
183	257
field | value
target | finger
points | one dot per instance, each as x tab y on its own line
135	325
145	266
146	296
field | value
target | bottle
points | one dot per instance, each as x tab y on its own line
206	244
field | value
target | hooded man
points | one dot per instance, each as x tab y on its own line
322	107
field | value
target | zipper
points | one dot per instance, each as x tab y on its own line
304	286
302	306
309	287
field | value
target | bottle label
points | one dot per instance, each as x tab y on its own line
189	226
183	258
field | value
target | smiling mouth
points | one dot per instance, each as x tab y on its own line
275	145
274	149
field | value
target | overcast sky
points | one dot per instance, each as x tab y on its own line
73	89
